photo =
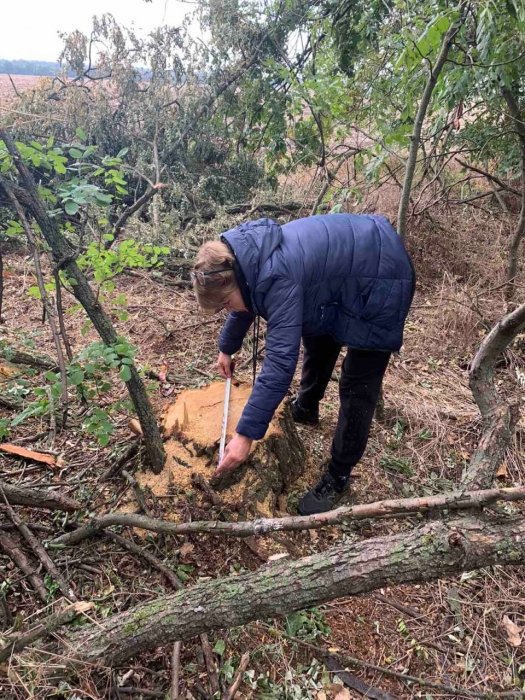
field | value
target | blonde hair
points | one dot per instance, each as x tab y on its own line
212	290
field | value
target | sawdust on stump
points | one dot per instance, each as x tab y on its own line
192	426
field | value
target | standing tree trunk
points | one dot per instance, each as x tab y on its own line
65	258
512	261
418	126
499	419
432	551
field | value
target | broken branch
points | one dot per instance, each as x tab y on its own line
455	500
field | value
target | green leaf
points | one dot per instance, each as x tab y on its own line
71	207
125	373
76	377
81	134
75	153
220	647
442	24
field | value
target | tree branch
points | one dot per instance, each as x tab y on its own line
455	500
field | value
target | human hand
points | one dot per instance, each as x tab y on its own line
236	452
225	365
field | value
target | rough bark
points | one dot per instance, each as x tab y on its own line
65	257
10	402
18	357
499	418
432	551
415	139
456	500
39	498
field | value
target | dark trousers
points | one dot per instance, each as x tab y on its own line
359	388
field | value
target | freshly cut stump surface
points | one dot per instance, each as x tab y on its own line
192	426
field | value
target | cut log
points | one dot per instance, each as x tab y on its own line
39	498
434	550
192	426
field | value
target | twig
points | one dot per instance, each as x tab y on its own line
20	559
210	663
127	213
150	558
175	668
60	313
394	604
43	628
120	461
52	418
129	690
356	683
139	493
455	500
344	660
43	294
495	179
232	692
38	550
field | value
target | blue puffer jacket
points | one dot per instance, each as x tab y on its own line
342	274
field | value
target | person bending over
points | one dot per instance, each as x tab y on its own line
332	281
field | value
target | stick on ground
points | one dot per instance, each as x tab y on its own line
175	668
38	550
455	500
210	663
12	550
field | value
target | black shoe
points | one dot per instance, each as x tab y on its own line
304	415
324	496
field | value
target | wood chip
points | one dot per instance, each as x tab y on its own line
28	454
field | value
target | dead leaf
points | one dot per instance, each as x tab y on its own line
135	427
502	472
343	694
28	454
276	557
8	371
187	548
513	631
334	688
163	371
321	695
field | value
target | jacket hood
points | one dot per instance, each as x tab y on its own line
253	244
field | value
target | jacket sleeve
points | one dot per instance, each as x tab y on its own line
234	331
284	305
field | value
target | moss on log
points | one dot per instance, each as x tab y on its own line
435	550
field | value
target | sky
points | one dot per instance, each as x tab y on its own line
29	28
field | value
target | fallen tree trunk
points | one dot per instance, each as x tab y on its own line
432	551
455	500
39	498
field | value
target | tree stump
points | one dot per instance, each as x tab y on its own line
192	429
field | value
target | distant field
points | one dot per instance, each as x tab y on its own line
22	82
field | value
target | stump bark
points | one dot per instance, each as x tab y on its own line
192	428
